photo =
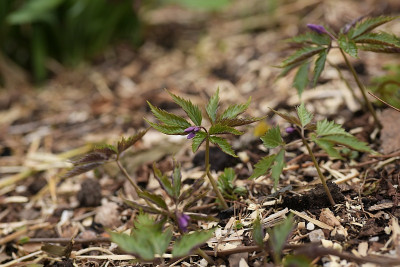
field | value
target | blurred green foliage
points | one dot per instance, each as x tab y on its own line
67	30
387	87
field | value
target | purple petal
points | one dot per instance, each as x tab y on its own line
191	135
183	221
317	28
289	130
196	129
190	129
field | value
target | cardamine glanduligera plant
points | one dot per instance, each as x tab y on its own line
327	135
220	123
354	36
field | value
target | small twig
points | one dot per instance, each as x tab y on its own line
62	240
386	103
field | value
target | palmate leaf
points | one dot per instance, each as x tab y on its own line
168	118
278	167
302	54
319	66
289	118
326	127
197	140
310	38
156	199
166	129
300	81
239	121
188	242
191	110
348	46
381	38
263	166
212	107
223	145
305	117
368	25
234	110
348	141
272	138
126	143
223	129
327	146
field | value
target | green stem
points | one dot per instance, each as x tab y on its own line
212	181
362	89
321	176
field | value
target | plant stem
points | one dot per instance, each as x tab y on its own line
321	176
126	174
362	89
212	181
205	256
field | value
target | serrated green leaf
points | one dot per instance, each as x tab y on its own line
156	199
191	110
163	181
379	48
326	127
225	182
305	117
188	242
212	107
223	129
167	118
262	166
197	140
301	79
165	129
106	149
368	25
348	141
289	68
319	66
272	138
223	145
234	110
348	46
381	38
126	143
327	146
258	233
278	167
239	122
289	118
320	39
310	38
280	234
301	55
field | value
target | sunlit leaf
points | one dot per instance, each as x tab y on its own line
349	141
170	130
272	138
381	38
348	46
223	129
302	54
191	110
326	127
368	25
212	106
328	147
168	118
304	115
239	121
197	140
126	143
234	110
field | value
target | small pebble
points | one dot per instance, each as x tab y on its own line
301	225
316	235
374	239
310	226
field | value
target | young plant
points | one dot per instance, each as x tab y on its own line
228	189
105	154
354	36
387	87
221	123
325	134
149	239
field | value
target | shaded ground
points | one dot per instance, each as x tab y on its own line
192	54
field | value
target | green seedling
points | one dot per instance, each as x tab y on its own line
353	37
149	239
327	135
221	123
387	87
226	186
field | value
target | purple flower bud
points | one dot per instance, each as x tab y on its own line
290	130
317	28
183	221
191	131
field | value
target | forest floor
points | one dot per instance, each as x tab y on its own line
192	54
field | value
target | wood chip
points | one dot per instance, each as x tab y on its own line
314	221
